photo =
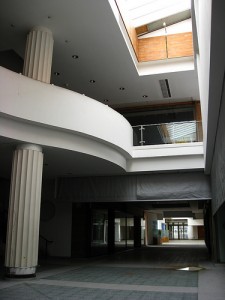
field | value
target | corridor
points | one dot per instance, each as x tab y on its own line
148	273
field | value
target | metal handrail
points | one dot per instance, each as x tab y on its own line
170	133
46	244
168	123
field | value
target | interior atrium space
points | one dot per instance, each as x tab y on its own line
112	149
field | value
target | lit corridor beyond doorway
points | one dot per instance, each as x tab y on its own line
147	273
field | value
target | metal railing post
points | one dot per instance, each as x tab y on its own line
142	142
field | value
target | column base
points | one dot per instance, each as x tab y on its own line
17	272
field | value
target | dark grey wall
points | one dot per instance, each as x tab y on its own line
167	186
218	164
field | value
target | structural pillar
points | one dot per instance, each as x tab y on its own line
111	231
150	221
38	55
24	212
137	232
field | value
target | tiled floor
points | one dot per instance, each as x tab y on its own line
129	275
148	273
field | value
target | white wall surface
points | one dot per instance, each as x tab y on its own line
203	17
195	222
192	232
185	162
203	13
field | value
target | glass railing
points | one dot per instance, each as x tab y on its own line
167	133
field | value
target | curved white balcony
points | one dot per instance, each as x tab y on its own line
41	113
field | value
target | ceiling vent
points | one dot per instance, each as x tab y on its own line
165	88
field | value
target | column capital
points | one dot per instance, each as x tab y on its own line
38	54
29	147
42	29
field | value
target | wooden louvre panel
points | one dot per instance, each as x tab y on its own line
142	30
180	45
153	48
157	48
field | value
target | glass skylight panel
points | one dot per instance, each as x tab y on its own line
146	11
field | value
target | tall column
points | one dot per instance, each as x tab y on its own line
111	230
24	212
38	55
150	219
137	231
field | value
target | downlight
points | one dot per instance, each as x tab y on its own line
165	88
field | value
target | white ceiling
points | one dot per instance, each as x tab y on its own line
88	29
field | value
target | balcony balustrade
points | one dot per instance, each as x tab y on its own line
167	133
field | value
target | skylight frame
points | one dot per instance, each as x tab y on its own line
143	12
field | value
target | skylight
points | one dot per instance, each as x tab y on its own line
158	34
146	11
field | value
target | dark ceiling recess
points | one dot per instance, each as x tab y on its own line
9	59
170	205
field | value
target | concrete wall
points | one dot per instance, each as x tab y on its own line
218	165
220	228
55	222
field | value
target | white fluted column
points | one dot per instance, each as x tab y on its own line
24	211
38	55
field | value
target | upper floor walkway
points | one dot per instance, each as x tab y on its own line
44	114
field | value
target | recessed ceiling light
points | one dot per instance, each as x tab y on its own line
92	81
56	73
145	96
122	88
75	56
